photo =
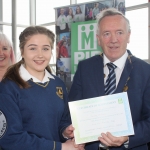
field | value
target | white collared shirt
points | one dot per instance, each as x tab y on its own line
25	75
120	63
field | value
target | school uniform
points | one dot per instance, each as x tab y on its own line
34	117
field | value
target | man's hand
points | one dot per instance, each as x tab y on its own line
79	146
109	140
68	132
69	145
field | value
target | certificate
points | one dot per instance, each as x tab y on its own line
91	117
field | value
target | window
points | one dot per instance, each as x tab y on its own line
84	1
23	12
128	2
45	15
45	11
19	30
53	58
8	31
7	11
139	32
135	2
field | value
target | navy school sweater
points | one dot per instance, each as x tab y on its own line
34	117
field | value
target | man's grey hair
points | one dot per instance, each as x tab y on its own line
110	12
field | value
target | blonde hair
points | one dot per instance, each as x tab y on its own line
5	40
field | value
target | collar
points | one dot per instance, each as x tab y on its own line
119	62
25	75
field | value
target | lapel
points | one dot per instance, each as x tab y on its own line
125	76
99	75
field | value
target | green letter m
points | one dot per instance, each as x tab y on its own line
87	39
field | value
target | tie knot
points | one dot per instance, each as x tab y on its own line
111	66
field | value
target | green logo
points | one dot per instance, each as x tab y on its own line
120	101
83	43
87	38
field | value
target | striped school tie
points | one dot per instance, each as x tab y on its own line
110	85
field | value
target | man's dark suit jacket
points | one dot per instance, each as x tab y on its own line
89	82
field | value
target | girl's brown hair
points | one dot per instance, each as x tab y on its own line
13	71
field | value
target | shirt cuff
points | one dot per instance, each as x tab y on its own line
65	137
126	144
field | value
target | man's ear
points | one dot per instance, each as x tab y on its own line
129	37
98	39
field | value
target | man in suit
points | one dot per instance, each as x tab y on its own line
132	75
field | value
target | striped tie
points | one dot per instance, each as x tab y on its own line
110	85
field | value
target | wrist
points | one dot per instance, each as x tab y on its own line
126	143
127	140
63	146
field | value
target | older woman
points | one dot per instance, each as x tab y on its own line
7	57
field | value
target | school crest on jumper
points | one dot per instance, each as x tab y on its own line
3	124
59	92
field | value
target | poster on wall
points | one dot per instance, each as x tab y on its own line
84	43
76	35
